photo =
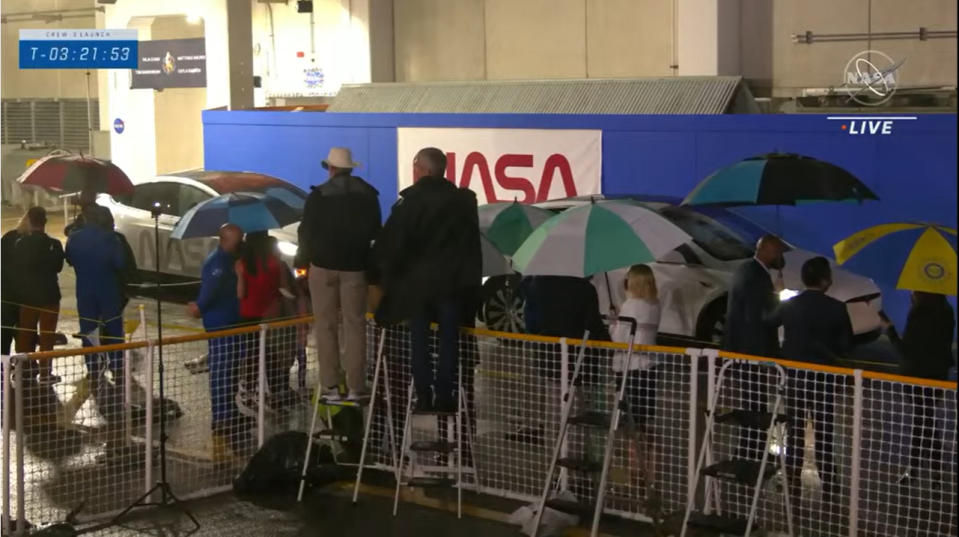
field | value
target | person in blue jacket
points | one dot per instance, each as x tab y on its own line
97	257
218	305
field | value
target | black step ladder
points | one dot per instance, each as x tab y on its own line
744	471
435	476
328	433
589	419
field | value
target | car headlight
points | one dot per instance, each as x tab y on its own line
287	248
786	294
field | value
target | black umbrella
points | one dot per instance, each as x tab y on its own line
779	179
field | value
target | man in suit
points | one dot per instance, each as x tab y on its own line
752	299
817	330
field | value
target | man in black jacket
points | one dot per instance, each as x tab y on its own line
817	330
340	221
429	259
752	298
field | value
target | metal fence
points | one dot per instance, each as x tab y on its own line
876	456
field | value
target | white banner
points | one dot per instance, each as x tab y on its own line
528	165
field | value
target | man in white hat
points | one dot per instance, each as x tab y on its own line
341	219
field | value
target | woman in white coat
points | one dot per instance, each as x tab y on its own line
641	305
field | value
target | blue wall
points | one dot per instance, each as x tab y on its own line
913	169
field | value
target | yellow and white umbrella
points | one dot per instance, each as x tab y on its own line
930	262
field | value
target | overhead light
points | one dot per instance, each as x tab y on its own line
106	1
304	6
193	18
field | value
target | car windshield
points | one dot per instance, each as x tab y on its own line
714	237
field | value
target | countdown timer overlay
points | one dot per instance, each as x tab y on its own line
78	49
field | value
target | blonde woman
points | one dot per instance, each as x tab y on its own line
641	305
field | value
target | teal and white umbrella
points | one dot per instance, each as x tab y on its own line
599	237
508	224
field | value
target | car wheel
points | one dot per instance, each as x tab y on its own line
502	305
712	322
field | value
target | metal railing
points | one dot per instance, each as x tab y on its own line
91	439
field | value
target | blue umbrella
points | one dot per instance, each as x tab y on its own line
251	211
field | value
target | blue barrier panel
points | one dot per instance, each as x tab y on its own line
910	164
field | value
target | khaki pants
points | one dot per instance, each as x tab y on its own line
340	295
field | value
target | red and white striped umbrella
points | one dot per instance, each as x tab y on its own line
71	172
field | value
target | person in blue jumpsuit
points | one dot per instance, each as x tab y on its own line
217	303
97	257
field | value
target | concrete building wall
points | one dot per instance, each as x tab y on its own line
790	66
439	40
42	83
523	39
630	38
176	111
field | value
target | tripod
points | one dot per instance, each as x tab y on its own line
167	498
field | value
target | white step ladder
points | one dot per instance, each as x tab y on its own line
329	434
586	419
743	471
410	450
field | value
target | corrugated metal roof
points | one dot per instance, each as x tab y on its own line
674	95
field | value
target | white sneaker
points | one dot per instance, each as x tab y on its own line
331	394
357	396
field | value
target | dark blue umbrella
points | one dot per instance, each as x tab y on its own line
251	211
779	179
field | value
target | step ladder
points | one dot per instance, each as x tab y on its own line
329	434
743	471
586	419
450	474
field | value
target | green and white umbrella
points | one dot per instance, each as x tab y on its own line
598	237
508	224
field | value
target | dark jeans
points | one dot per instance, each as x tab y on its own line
753	382
10	316
447	314
223	358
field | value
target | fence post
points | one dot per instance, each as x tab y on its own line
563	389
711	356
856	453
693	355
7	386
261	391
148	440
143	320
127	394
18	411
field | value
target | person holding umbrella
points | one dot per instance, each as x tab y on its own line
926	350
929	272
258	271
98	259
218	306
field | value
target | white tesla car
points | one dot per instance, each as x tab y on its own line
177	193
694	279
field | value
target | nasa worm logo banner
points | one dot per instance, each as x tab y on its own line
526	165
171	63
